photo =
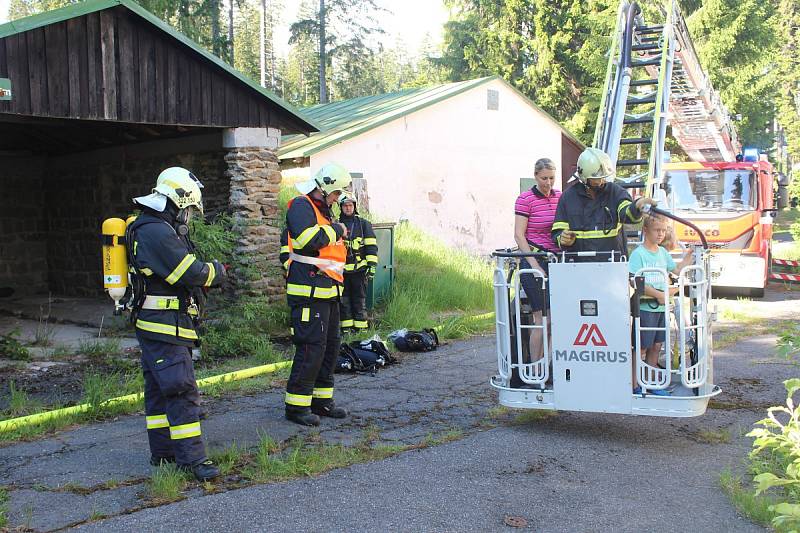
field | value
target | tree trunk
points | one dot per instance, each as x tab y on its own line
271	49
262	39
230	30
323	90
214	12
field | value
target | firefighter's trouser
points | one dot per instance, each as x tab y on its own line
354	301
171	402
316	337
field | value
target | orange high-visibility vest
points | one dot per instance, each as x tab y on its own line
331	258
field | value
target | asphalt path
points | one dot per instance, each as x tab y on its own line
567	472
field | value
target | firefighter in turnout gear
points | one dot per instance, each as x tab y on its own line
165	274
590	214
362	257
313	254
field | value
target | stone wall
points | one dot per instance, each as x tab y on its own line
23	226
255	180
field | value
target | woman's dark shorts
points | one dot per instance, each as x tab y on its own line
533	284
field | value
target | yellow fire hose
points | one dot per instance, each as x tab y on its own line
30	420
16	423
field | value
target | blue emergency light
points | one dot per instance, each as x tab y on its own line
750	154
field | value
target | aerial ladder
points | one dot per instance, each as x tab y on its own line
589	361
654	79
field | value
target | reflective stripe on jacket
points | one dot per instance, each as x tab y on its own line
169	269
362	246
597	222
309	233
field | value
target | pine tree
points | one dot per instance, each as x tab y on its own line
787	28
340	29
735	40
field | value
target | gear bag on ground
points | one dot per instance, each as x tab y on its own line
425	340
364	356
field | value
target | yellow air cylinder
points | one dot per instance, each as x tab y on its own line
115	261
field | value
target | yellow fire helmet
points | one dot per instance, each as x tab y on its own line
595	163
181	187
330	178
345	198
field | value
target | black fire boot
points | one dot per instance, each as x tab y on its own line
158	461
203	471
328	408
303	416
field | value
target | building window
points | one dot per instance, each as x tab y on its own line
492	100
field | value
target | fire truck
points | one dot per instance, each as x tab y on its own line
591	355
732	204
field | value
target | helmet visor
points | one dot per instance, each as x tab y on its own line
155	201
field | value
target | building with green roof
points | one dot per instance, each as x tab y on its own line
450	158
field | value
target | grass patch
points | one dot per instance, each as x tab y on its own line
785	219
714	436
730	334
61	351
244	330
227	458
98	388
19	403
298	458
436	439
167	484
47	427
43	336
3	507
96	514
12	348
734	310
789	342
99	348
433	278
790	251
243	386
754	508
498	412
531	416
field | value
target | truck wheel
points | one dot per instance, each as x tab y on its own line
757	293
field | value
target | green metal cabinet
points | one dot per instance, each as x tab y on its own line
381	285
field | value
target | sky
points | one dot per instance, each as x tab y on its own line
409	20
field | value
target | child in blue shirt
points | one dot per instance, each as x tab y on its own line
650	254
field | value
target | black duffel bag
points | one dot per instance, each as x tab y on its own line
363	356
425	340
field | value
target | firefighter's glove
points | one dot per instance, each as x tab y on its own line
220	269
641	202
567	238
371	272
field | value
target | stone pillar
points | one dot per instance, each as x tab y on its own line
255	181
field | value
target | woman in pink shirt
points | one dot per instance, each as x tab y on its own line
535	210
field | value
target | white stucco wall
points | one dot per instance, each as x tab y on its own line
453	168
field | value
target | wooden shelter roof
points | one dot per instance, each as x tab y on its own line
111	70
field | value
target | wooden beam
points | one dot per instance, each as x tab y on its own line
109	72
